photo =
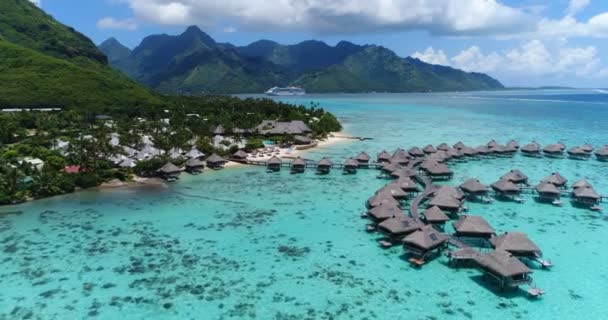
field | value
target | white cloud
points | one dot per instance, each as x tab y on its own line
230	29
36	2
113	23
532	59
575	6
431	56
443	17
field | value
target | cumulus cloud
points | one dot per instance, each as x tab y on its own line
120	24
442	17
431	56
533	58
575	6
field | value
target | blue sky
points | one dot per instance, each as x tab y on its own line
520	42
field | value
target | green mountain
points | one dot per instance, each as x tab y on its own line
193	63
115	50
44	63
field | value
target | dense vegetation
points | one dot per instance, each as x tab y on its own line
194	63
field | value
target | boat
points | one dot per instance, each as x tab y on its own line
288	91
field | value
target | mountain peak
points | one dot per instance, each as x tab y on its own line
194	32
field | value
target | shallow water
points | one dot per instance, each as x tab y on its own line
244	244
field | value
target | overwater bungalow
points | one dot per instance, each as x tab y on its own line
506	188
400	153
446	203
454	154
435	216
240	155
298	165
459	145
383	212
403	173
195	165
516	177
397	227
350	166
416	152
382	199
578	153
324	166
429	149
517	244
449	191
513	144
274	164
581	184
531	150
548	191
492	144
439	171
587	148
586	196
602	154
389	168
363	159
408	185
554	150
483	150
431	162
504	268
394	190
384	157
169	172
424	244
473	227
400	159
556	179
443	147
474	188
469	152
216	162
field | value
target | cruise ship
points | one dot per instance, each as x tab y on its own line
289	91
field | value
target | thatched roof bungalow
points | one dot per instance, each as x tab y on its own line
429	149
474	187
516	243
506	188
395	228
384	156
324	166
416	152
473	227
504	268
556	179
216	162
420	244
383	212
515	176
298	165
434	215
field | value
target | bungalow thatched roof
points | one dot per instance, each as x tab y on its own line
513	144
577	151
602	152
445	202
483	150
547	188
444	147
502	264
586	193
516	243
468	151
556	179
274	161
194	153
454	153
169	168
581	184
401	153
214	158
362	156
240	154
428	163
416	152
451	191
531	148
435	215
439	169
404	173
351	163
324	162
505	186
407	184
473	186
429	149
399	224
384	156
472	225
553	148
194	163
515	176
390	167
394	190
382	199
492	144
459	145
587	147
384	212
400	159
298	162
427	238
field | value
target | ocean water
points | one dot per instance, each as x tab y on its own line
245	244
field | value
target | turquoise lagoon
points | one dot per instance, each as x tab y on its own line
243	244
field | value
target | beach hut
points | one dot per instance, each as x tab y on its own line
324	166
435	216
429	149
473	227
517	244
424	244
194	153
581	184
169	172
513	145
556	179
515	176
383	212
416	152
439	171
274	164
382	199
554	150
587	148
474	188
406	184
602	154
531	150
506	188
578	153
443	147
547	191
394	190
216	162
298	165
194	165
397	227
459	145
384	157
586	196
503	268
240	155
363	159
446	202
350	166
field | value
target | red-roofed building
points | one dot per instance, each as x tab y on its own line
72	169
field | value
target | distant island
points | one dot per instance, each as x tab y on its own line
194	63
